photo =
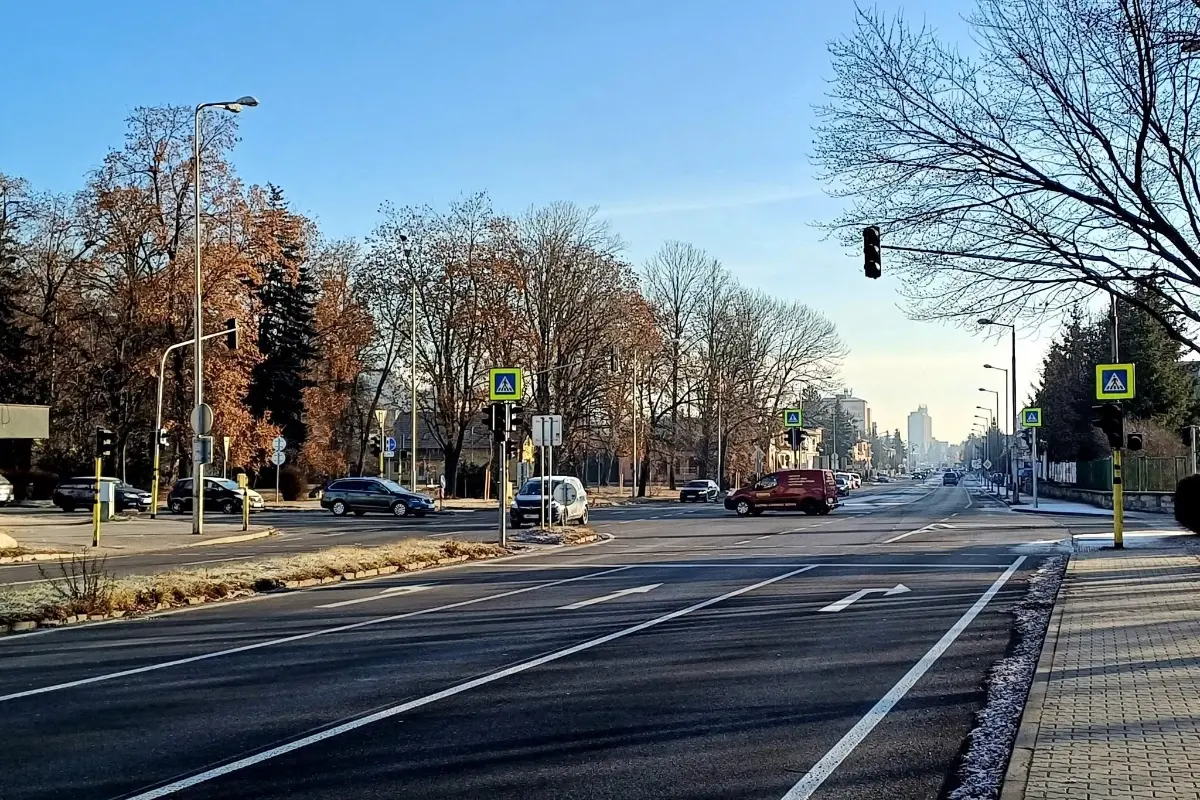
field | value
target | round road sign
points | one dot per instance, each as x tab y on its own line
280	444
278	458
202	419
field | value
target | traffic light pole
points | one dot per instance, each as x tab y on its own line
96	505
502	490
1034	454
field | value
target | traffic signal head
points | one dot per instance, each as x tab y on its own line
231	338
375	448
514	417
163	437
1109	418
512	448
872	255
105	442
1185	435
1133	442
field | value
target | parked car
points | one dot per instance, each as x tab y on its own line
843	485
7	493
950	479
882	479
813	491
360	495
220	494
703	491
74	493
847	478
568	502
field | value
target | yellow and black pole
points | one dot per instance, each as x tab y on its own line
96	505
244	484
1118	500
382	444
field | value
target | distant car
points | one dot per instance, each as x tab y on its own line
949	479
847	477
568	502
6	491
843	485
699	491
813	491
882	479
74	493
220	494
855	480
360	495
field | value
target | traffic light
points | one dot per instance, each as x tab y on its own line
512	448
872	255
796	438
163	437
1133	442
105	443
1185	435
514	413
231	338
1026	435
1109	418
375	447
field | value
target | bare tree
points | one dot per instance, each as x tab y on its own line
1058	164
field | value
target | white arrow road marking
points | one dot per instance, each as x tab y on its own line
392	592
937	526
849	599
635	590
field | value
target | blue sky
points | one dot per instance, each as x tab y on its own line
679	119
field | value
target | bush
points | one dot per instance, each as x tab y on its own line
1187	503
292	483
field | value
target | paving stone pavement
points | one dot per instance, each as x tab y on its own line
1121	715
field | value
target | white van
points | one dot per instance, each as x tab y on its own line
568	502
849	478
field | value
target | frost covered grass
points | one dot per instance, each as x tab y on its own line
572	534
1008	682
84	587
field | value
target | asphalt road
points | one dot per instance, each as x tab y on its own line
693	655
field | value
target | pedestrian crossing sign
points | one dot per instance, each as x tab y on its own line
504	383
793	418
1114	382
1031	417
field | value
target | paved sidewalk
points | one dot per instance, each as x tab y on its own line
1120	716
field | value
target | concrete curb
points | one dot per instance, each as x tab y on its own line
1016	777
28	557
241	537
1024	510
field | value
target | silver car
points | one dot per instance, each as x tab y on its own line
567	502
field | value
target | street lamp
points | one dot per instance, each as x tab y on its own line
1012	457
197	467
1011	429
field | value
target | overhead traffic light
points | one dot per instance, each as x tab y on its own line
1134	442
1109	418
872	255
105	443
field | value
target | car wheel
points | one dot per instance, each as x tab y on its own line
339	508
399	509
175	505
825	510
810	507
584	519
743	508
229	507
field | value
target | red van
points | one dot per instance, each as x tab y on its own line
813	491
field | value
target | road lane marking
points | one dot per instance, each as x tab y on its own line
768	536
744	541
926	529
386	593
387	713
296	638
851	599
649	587
812	781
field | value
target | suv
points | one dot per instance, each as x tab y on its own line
950	479
568	502
813	491
361	495
220	494
74	493
701	491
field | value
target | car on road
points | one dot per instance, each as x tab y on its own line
360	495
882	479
950	479
855	480
220	494
7	493
843	485
702	491
568	502
847	477
73	493
813	491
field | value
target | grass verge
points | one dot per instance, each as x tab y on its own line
84	589
571	534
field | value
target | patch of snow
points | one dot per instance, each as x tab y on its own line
1145	540
1044	547
536	536
1008	682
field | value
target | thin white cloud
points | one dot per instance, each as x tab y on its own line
755	197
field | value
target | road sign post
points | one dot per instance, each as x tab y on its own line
1117	382
1032	418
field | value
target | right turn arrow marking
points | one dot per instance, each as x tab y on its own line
635	590
850	599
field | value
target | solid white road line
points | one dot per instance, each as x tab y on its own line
296	638
386	593
387	713
812	781
635	590
910	533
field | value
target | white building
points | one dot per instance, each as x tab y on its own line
920	436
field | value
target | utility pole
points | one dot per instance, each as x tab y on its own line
412	452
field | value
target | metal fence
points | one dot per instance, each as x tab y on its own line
1141	473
